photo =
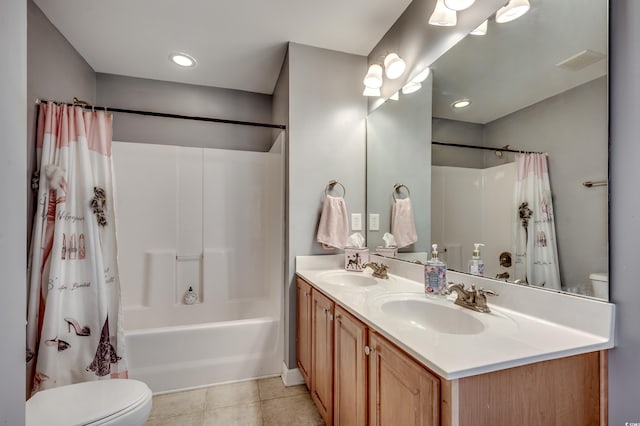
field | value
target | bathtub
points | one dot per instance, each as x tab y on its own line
189	356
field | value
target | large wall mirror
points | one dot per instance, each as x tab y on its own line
522	169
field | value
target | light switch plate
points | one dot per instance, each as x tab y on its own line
356	222
374	222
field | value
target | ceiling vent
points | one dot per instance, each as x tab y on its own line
581	60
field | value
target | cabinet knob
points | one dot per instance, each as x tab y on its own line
368	350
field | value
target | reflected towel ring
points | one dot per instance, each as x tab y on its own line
333	183
397	187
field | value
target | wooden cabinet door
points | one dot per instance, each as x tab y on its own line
303	330
322	354
401	392
350	370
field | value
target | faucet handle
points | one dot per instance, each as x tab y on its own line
484	291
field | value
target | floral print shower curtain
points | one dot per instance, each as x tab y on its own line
536	250
74	315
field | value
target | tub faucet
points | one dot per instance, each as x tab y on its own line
473	299
379	269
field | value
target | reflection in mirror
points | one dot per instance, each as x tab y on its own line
534	86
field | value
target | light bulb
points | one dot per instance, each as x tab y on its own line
443	16
481	30
422	76
512	11
373	79
370	92
458	4
411	87
394	66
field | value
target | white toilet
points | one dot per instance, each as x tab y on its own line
600	283
104	402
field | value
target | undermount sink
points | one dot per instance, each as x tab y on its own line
348	279
426	314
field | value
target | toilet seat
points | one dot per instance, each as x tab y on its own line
102	402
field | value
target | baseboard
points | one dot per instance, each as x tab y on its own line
291	377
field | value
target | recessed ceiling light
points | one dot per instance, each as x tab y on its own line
182	59
462	103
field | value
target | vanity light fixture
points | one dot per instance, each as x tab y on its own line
373	79
183	59
461	103
443	16
394	66
482	29
458	4
411	87
512	11
395	96
368	91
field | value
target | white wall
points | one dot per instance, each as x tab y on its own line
326	141
624	173
13	190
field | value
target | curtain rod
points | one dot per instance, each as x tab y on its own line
167	115
486	148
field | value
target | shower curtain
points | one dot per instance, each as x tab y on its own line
74	320
536	251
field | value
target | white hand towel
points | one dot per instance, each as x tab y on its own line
334	226
403	226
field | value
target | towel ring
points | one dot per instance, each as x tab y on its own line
333	183
397	187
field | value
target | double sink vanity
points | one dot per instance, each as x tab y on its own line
380	352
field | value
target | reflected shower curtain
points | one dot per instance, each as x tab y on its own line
536	251
74	320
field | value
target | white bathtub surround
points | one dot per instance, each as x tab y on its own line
291	376
526	325
211	220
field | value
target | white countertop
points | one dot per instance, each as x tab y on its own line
512	336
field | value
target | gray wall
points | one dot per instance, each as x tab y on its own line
399	151
326	141
624	173
572	128
13	189
453	131
186	99
55	71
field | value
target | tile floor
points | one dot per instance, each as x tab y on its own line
265	402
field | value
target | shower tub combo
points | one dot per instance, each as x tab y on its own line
211	220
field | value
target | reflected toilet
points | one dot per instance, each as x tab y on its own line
115	402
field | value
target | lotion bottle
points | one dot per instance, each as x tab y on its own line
476	264
435	274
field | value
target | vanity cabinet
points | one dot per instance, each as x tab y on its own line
322	354
349	370
303	331
357	377
401	392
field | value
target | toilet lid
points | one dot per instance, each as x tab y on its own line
84	403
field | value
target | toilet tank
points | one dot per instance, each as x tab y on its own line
600	284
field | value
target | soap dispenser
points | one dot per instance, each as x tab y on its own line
435	274
476	264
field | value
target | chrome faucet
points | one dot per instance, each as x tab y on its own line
379	269
473	299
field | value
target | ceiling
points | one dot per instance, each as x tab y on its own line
514	65
239	44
